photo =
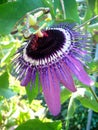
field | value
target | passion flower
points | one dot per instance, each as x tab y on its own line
56	56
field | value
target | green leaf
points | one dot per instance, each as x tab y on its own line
96	7
96	84
3	1
36	124
91	4
87	99
57	5
11	12
48	3
90	9
33	89
71	10
54	125
65	94
7	93
9	53
93	67
58	11
4	80
4	84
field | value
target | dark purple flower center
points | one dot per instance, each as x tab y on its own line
41	47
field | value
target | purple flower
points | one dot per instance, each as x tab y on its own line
56	56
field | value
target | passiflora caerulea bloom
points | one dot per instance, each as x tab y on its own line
56	56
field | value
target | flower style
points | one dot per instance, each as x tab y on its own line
56	56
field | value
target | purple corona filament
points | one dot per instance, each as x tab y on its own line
56	57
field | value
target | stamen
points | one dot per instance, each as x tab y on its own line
39	34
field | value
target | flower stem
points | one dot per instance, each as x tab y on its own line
86	22
94	94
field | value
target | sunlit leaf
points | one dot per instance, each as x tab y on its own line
4	84
87	99
93	67
8	54
14	11
7	93
65	94
96	84
58	9
4	81
96	7
36	124
71	10
90	9
32	90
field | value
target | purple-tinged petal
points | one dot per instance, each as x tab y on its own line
77	68
27	77
64	75
33	77
70	82
51	90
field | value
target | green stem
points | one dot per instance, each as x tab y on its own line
94	94
63	8
86	22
